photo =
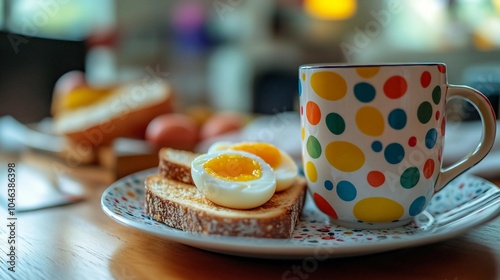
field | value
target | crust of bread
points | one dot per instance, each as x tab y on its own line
126	113
183	207
176	164
172	198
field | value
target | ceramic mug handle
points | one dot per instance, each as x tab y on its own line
488	120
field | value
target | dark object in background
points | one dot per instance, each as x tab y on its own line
486	79
29	70
492	92
274	91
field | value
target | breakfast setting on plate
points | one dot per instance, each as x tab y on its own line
306	139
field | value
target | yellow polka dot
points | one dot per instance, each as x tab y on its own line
344	156
329	85
303	76
303	133
311	172
370	121
377	209
367	72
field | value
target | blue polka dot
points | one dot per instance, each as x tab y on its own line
377	146
346	191
300	87
430	138
394	153
417	206
397	119
328	185
364	92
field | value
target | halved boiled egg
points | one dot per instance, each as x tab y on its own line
234	179
282	164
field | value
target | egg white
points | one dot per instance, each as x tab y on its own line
285	173
234	194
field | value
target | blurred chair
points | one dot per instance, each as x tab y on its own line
28	75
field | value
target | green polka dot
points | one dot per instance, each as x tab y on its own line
410	178
335	123
436	95
424	112
313	147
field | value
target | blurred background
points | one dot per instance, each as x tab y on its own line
234	54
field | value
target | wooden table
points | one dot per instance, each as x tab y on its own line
79	241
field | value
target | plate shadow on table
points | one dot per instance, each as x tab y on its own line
151	257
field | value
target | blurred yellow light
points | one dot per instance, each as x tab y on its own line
496	3
330	9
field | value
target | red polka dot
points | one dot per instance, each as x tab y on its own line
412	141
301	110
375	178
395	87
443	126
425	79
442	68
324	206
313	113
428	168
437	115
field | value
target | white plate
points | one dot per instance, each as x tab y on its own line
465	203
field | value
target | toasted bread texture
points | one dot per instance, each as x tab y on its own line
176	164
172	198
182	206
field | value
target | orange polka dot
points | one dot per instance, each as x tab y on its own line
367	72
313	113
375	178
130	194
324	206
442	68
303	76
428	168
395	87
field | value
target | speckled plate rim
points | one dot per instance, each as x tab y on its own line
282	248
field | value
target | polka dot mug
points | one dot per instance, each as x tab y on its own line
372	139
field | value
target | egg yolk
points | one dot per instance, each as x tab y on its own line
82	97
233	167
269	153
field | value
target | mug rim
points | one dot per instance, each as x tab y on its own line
356	65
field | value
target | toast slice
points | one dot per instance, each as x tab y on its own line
176	165
180	205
